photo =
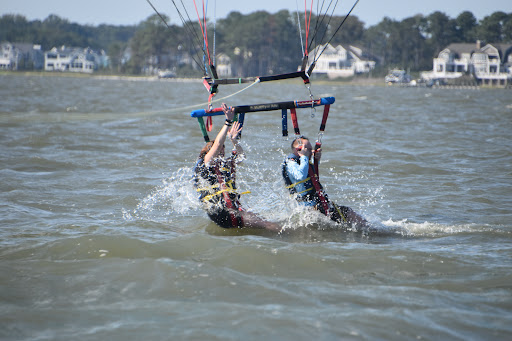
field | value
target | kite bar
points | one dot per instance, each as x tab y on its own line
301	74
266	107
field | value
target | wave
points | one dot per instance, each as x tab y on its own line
434	229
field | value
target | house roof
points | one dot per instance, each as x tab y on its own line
503	49
329	49
355	52
460	48
22	47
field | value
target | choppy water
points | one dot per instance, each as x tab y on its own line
102	238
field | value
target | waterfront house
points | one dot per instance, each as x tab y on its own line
67	59
490	64
20	56
223	66
341	61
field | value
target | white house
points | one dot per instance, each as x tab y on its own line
74	60
341	61
223	66
491	64
14	56
9	57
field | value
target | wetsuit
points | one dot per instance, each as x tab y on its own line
297	174
217	191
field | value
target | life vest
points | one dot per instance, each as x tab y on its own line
309	194
314	191
216	184
217	190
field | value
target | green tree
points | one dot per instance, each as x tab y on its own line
413	47
383	40
15	29
351	32
441	29
105	36
262	43
374	40
492	28
151	44
466	25
116	52
507	29
284	53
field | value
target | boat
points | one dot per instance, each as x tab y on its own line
397	77
166	74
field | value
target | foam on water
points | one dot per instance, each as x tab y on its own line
176	197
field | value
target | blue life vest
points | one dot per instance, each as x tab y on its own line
307	195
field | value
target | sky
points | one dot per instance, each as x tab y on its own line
132	12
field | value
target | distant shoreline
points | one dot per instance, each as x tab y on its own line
357	81
95	76
370	81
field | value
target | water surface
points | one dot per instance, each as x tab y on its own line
102	237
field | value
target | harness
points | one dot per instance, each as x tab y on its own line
314	191
306	195
220	190
312	183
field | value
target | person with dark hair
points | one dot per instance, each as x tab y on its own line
215	180
300	174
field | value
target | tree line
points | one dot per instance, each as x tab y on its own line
260	42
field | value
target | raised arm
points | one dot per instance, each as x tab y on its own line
235	130
221	136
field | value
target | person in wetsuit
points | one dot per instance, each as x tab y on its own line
301	179
215	180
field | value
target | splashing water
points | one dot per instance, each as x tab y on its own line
268	198
175	197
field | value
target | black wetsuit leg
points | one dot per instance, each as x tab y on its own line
339	214
226	218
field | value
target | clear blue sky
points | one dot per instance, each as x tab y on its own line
129	12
